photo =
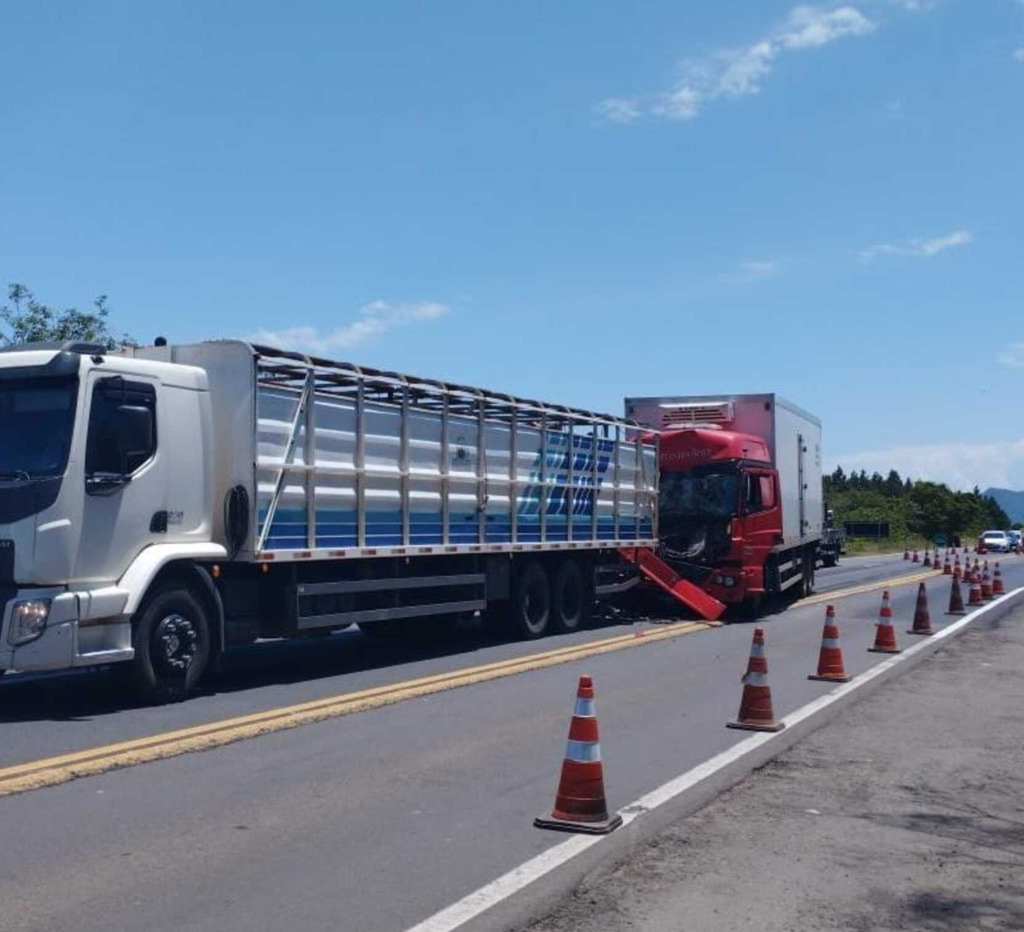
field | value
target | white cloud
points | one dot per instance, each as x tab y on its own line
1012	356
760	268
1018	54
373	320
618	110
744	69
960	466
810	27
919	247
681	104
911	6
738	72
931	247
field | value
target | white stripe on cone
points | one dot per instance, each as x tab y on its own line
584	708
582	752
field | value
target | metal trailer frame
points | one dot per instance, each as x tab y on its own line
311	376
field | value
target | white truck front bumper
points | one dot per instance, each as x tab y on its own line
82	629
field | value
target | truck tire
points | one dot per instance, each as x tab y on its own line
529	609
571	597
750	609
171	637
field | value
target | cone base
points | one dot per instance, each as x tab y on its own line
924	633
754	726
885	650
831	677
961	612
585	828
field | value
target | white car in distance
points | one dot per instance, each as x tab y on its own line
996	541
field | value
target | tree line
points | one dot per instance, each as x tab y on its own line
911	507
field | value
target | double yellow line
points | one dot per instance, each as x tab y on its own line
54	770
868	587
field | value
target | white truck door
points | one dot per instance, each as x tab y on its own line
124	482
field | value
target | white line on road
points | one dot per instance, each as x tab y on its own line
491	895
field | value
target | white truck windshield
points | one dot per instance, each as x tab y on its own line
36	419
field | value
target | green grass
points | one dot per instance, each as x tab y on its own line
857	546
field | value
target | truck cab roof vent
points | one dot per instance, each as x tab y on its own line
676	415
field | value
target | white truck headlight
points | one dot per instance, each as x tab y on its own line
28	620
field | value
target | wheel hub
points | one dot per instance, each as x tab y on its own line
175	641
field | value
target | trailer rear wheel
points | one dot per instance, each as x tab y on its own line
529	610
171	638
571	597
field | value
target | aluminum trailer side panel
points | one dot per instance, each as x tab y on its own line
345	462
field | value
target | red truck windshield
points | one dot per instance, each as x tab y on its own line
708	494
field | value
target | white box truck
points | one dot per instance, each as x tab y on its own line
161	504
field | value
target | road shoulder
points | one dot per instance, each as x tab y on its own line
904	814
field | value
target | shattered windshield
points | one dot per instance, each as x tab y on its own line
36	419
686	495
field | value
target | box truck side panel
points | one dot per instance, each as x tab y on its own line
798	460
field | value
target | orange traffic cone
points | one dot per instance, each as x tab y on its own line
974	593
986	587
997	582
756	712
915	558
580	804
885	634
830	658
956	567
947	568
922	620
956	599
906	554
927	559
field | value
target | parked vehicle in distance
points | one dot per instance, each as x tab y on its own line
1016	538
995	541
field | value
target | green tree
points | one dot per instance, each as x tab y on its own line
894	485
26	320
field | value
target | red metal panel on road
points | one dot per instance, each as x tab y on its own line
661	574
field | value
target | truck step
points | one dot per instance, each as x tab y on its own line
663	576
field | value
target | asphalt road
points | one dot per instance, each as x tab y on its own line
375	820
46	715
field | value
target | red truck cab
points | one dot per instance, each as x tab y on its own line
719	510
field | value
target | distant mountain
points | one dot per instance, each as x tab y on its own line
1011	502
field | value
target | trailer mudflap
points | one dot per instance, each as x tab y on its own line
662	575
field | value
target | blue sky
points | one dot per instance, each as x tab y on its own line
574	201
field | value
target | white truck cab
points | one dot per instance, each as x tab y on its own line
103	482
